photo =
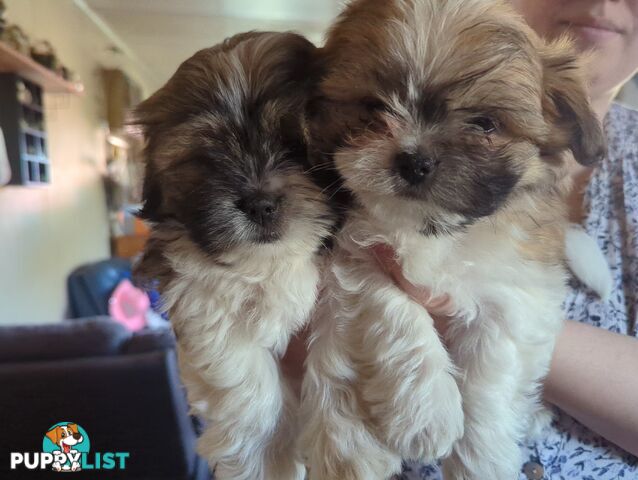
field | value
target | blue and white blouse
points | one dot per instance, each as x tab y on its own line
570	450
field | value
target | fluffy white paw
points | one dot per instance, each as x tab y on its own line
428	427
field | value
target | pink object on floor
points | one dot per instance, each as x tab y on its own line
128	305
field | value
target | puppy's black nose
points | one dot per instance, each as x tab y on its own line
413	167
77	436
261	209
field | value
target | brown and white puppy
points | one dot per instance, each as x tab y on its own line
236	228
451	123
66	437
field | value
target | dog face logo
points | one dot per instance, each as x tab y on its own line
66	441
65	436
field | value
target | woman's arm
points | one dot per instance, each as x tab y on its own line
594	378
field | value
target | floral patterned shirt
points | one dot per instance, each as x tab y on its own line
569	450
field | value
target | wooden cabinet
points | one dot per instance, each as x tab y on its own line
127	246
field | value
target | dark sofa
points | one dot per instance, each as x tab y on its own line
122	388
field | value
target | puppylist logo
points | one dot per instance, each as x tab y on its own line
66	448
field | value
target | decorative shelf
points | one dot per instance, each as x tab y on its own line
34	132
12	61
24	131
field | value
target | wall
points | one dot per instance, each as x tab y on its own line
47	231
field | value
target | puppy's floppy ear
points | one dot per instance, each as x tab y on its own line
156	110
150	116
54	435
151	196
566	105
152	270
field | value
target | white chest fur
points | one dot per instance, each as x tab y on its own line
480	267
380	378
255	300
234	318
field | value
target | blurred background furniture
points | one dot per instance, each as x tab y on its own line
122	388
90	286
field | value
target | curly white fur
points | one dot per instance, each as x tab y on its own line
233	324
381	386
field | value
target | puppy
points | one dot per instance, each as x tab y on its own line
236	229
451	124
66	437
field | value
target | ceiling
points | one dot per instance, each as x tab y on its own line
159	34
155	36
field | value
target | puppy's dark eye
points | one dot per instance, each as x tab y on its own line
373	104
483	124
